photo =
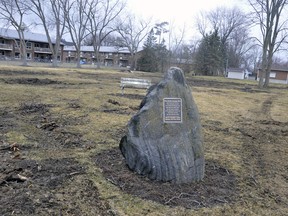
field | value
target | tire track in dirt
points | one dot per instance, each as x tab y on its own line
263	142
266	108
253	137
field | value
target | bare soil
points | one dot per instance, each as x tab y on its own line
218	186
61	186
48	186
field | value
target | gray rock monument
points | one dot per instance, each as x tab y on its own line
164	140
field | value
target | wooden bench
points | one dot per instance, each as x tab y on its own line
134	83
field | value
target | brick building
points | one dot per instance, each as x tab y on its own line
37	46
109	56
277	75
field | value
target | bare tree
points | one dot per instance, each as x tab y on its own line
239	44
103	14
267	14
176	43
51	15
253	59
202	23
77	13
133	31
13	13
184	55
226	21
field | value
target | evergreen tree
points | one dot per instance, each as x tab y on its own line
162	55
209	56
154	55
148	61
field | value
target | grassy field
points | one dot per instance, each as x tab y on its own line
59	136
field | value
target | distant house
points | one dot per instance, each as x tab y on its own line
185	64
37	46
109	56
237	73
277	75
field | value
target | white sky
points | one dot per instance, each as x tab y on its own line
179	12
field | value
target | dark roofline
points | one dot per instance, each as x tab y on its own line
278	69
235	69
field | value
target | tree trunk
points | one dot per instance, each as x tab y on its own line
55	55
267	75
264	65
133	62
55	51
78	65
54	61
97	54
98	62
266	82
23	53
261	75
22	47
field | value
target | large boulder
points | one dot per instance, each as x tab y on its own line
164	139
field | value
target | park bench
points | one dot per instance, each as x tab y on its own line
134	83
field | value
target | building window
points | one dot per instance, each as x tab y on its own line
17	55
29	55
17	45
2	41
29	45
272	75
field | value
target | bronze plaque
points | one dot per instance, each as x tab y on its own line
172	110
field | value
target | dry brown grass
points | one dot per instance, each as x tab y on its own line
246	132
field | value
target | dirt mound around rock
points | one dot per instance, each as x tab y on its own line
218	186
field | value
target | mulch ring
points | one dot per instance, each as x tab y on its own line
218	186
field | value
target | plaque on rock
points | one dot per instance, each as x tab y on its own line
172	110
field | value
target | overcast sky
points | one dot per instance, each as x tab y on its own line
179	12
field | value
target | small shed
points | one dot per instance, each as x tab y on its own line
277	75
236	73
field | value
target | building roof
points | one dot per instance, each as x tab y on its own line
277	68
280	69
103	49
236	70
29	36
